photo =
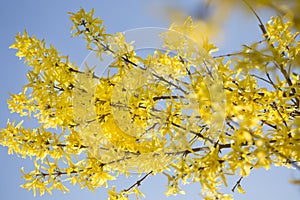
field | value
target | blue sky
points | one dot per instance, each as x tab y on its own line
49	20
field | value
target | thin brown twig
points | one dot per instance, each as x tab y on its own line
261	25
228	55
239	182
138	182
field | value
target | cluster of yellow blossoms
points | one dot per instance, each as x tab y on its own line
82	138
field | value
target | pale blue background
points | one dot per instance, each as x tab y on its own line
49	20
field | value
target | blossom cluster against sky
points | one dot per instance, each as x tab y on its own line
49	20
